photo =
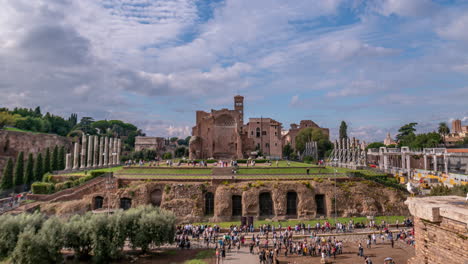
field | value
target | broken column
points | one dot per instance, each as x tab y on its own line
76	154
101	151
68	161
111	151
106	151
95	151
119	148
83	152
90	152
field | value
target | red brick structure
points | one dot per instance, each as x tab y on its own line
290	136
222	134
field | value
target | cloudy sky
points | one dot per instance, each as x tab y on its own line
375	64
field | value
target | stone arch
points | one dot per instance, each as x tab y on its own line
156	197
320	204
291	203
98	202
236	205
209	203
125	203
265	204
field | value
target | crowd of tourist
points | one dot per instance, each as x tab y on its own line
269	242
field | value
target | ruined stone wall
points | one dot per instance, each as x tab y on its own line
440	229
187	200
13	142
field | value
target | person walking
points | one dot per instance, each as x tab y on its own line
360	250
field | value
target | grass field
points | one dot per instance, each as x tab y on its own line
378	219
165	171
164	176
284	171
82	173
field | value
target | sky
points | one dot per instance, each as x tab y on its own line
375	64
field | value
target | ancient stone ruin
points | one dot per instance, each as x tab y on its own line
94	152
440	226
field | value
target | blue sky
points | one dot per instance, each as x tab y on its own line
375	64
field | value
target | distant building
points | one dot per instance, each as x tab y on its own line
456	126
290	136
222	134
458	132
159	144
389	141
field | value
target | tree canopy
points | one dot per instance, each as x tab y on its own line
313	134
343	130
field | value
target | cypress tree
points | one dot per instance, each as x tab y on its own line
61	161
55	158
343	130
46	166
7	179
19	170
29	172
38	169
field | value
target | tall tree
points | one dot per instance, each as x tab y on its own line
47	161
343	130
38	168
287	150
443	131
55	159
37	112
19	170
313	134
61	161
29	172
7	179
406	130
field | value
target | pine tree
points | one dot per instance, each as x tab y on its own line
7	179
38	168
343	130
29	172
19	170
61	158
46	166
55	158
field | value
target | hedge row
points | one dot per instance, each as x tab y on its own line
382	179
35	238
48	187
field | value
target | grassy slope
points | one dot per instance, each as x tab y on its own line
165	171
283	171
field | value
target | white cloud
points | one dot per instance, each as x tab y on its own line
405	7
294	100
455	28
358	88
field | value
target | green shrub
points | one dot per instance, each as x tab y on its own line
308	159
42	188
47	177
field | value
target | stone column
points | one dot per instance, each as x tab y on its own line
114	156
95	151
408	164
119	149
111	151
446	163
90	152
76	154
403	160
68	161
385	161
425	162
435	162
83	153
106	151
101	151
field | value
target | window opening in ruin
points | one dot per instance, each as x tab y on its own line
156	197
236	205
209	203
258	132
267	145
320	203
125	203
291	203
266	204
264	133
98	202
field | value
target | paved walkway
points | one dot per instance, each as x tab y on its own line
241	257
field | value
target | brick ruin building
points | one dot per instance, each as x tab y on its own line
222	134
441	229
159	144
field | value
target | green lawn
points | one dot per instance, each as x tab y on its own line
283	170
273	177
378	219
165	171
164	176
82	173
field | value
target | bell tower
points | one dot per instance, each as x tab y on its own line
239	106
